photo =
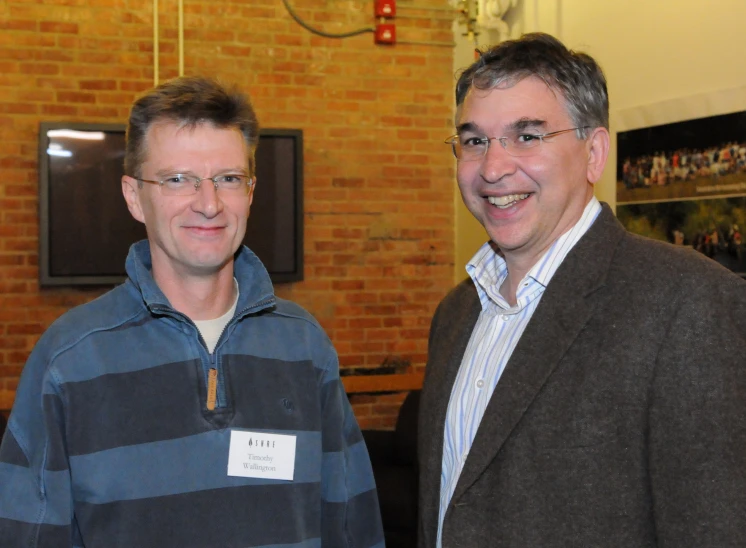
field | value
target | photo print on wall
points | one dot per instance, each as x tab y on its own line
685	183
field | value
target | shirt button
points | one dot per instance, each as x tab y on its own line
480	383
506	318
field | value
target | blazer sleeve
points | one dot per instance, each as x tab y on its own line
697	420
35	497
350	514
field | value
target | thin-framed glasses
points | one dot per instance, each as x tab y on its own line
469	147
180	184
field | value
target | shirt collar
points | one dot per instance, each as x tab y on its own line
488	270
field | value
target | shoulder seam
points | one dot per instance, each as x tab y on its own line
77	340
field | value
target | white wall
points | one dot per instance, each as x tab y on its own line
653	52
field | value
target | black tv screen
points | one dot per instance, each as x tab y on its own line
85	229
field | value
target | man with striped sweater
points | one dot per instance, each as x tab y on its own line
189	406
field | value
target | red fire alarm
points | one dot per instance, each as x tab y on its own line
385	8
385	34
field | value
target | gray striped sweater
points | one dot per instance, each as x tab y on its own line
110	442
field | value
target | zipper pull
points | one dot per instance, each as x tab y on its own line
212	388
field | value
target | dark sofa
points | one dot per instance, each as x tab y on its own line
393	454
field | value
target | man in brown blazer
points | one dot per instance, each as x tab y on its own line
585	387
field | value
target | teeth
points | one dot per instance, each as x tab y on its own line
506	201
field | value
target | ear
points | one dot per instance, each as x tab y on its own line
132	197
598	152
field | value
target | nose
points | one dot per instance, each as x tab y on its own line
206	200
496	163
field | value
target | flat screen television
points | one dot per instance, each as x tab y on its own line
85	229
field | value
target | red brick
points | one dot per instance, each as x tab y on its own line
11	384
60	110
39	68
12	370
340	285
18	356
359	399
373	154
56	55
18	24
98	84
25	329
288	39
58	27
368	347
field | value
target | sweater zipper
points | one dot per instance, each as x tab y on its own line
212	387
213	399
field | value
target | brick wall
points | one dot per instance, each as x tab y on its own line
378	180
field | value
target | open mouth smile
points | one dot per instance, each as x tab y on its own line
504	202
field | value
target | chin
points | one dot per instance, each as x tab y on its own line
508	240
207	268
208	262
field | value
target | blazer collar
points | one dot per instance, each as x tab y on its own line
565	308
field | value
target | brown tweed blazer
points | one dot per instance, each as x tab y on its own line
620	419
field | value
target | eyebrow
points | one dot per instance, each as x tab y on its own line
522	124
173	171
468	127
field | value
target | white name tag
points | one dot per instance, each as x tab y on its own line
261	455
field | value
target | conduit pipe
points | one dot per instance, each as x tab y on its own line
181	37
156	52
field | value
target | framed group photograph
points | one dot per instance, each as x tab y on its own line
684	182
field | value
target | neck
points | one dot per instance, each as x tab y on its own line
519	262
509	287
198	297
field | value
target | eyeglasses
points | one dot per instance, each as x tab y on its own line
186	185
470	148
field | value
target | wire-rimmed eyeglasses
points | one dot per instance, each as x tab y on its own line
469	147
180	184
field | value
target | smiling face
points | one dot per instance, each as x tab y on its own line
526	203
196	235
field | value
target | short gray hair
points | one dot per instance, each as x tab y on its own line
189	101
575	75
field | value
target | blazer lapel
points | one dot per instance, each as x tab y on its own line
565	307
452	327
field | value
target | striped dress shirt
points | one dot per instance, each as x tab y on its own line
495	336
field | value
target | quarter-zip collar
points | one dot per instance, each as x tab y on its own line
255	288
